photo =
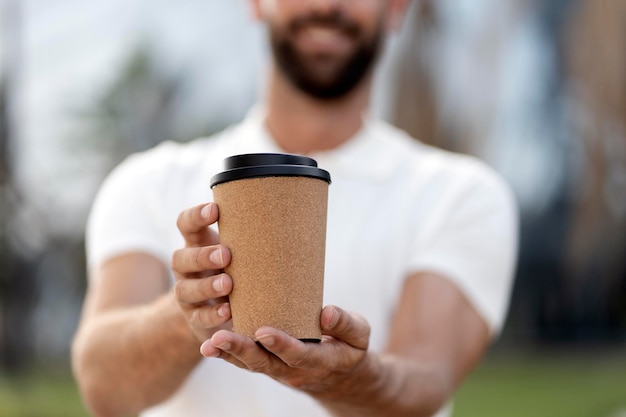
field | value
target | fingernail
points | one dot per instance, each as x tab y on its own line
266	340
223	310
218	284
215	353
334	320
217	257
206	211
224	346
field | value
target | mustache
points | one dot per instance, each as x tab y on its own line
335	20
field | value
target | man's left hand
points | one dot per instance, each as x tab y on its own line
327	370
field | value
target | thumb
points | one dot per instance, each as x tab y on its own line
349	327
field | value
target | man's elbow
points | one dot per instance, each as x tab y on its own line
96	389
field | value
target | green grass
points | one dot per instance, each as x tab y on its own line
592	385
548	386
40	394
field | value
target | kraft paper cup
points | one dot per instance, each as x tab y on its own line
273	219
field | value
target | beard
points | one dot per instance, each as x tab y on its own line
325	76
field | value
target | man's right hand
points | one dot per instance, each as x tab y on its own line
202	287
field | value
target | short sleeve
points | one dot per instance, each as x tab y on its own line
474	243
123	217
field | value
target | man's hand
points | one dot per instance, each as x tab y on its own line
201	287
338	367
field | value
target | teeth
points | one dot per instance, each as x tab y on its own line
323	34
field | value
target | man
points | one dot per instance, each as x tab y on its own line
420	246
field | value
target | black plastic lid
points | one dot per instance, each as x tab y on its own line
257	165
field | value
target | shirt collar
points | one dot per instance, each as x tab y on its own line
366	155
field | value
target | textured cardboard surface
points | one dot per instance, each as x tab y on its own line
275	228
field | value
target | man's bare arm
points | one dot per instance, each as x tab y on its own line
437	338
133	347
138	339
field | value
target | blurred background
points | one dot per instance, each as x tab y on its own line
536	88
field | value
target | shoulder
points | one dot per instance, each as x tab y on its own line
425	166
169	160
165	156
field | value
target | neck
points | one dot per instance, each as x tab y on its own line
302	124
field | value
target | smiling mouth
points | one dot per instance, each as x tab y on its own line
333	24
323	34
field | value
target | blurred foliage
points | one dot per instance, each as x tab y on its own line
134	113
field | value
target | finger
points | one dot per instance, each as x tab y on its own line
290	350
349	327
210	316
246	351
194	291
331	353
209	351
193	224
196	260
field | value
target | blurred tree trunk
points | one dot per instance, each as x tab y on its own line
596	256
6	252
414	107
17	289
419	104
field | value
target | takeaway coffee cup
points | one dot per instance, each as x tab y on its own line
273	220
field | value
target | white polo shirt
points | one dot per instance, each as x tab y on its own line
396	207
